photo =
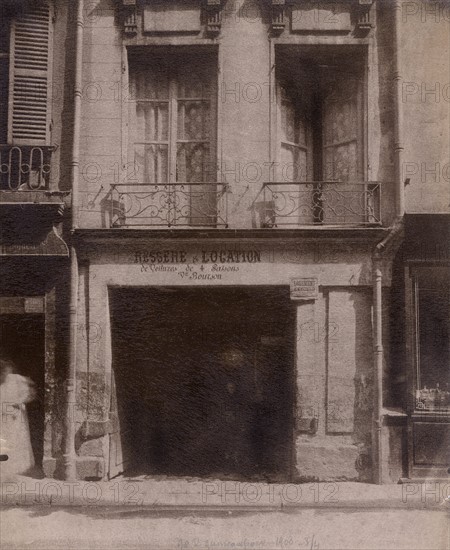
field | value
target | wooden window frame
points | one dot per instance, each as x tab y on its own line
173	102
316	164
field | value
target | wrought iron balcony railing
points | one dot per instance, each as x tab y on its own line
325	203
171	205
25	167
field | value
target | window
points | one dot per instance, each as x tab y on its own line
25	67
321	116
432	305
172	141
320	140
173	117
25	73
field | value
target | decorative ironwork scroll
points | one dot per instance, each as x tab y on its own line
298	204
169	205
25	167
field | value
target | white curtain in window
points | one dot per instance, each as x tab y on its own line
341	128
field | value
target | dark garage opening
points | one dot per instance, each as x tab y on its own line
204	380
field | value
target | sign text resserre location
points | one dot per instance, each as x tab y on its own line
204	256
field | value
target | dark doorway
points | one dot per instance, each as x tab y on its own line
204	380
22	339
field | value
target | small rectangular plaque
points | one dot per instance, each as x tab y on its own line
34	305
321	17
174	16
304	288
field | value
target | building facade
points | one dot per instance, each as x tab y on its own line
242	260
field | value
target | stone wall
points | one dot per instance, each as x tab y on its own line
425	44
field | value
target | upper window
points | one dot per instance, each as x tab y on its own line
173	112
321	116
25	29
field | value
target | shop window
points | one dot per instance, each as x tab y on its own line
321	116
172	130
432	328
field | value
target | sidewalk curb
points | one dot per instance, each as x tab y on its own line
217	495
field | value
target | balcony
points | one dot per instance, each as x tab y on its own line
171	205
25	167
29	209
324	203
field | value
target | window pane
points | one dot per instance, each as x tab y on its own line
196	205
341	162
149	91
340	116
293	162
433	338
151	163
342	150
194	82
149	82
193	163
293	124
194	120
152	121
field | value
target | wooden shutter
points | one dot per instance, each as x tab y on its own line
29	77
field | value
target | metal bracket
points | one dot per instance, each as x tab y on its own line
364	23
213	15
129	13
278	16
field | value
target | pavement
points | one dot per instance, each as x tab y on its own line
44	527
195	514
197	494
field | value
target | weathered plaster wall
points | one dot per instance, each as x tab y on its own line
425	48
101	125
334	377
246	106
382	110
61	98
244	101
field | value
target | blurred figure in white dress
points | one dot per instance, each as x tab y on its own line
15	443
